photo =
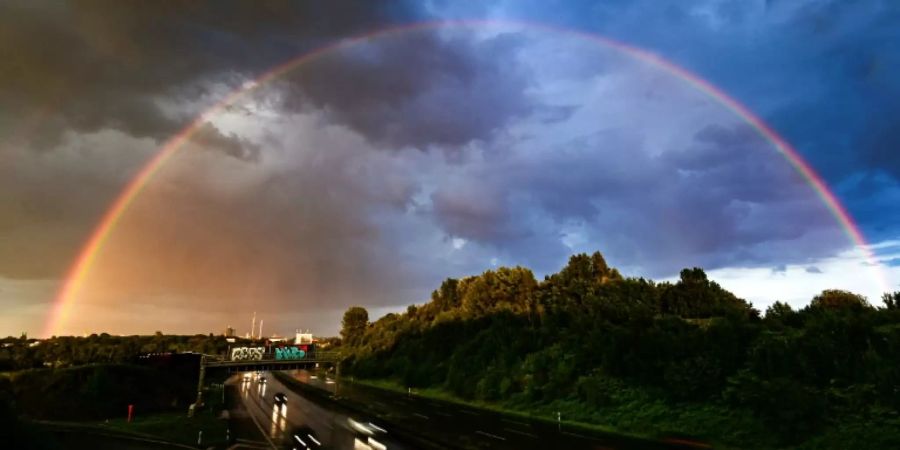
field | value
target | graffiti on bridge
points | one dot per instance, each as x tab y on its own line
289	353
247	354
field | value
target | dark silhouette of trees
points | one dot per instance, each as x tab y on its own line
354	324
835	298
590	336
891	300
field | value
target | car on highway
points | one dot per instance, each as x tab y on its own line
280	398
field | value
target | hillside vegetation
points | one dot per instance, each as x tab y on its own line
653	358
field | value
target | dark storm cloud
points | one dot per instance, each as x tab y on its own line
813	269
87	66
50	202
83	68
823	73
474	212
419	89
728	199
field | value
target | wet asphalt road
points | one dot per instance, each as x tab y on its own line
300	423
443	424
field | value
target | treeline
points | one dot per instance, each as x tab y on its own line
67	351
686	357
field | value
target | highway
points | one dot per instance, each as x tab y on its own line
443	424
299	423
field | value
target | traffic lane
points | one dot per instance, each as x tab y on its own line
318	424
242	429
300	423
357	432
274	421
441	421
465	427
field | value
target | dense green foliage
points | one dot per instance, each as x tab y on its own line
66	351
684	357
353	326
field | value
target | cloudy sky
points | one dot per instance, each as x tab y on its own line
370	172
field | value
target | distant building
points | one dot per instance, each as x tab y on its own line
303	338
229	332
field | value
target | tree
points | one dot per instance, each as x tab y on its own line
502	289
447	296
780	314
695	296
891	300
838	299
354	324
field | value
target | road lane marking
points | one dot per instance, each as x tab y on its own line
512	430
494	436
420	415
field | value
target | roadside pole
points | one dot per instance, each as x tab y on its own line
199	386
337	378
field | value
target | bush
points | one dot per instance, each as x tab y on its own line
790	410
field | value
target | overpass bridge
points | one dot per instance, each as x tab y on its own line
261	361
268	363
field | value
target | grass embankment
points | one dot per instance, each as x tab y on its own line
638	413
546	413
175	426
545	416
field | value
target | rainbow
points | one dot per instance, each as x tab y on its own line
64	302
